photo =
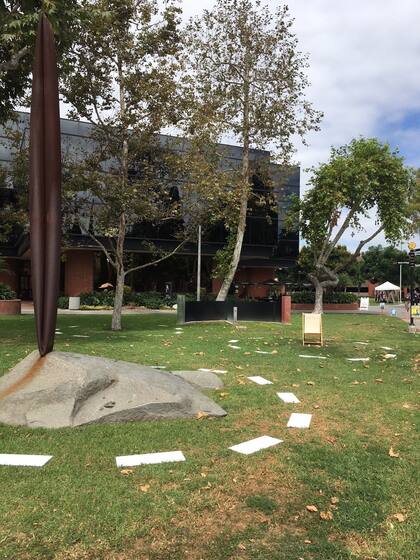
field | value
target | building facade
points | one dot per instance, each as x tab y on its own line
267	246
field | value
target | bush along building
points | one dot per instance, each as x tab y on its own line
267	246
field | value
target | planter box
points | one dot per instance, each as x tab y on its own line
74	303
224	310
327	306
10	306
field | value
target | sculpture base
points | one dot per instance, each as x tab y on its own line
67	389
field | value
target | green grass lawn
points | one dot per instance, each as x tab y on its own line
219	504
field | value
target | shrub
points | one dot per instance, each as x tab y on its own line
128	295
152	300
63	302
6	292
94	299
329	297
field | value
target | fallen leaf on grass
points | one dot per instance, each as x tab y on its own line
334	500
201	414
393	453
223	394
379	380
326	515
144	487
310	383
406	405
126	472
312	509
198	353
400	517
307	541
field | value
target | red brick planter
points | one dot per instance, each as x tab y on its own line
10	306
327	306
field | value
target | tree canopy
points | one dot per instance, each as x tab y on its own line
18	25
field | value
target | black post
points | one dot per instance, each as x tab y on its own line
412	265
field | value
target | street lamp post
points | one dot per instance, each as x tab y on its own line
412	265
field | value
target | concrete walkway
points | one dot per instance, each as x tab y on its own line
401	312
28	309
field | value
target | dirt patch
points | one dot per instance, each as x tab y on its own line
368	550
219	507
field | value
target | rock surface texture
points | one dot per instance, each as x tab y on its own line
201	379
67	389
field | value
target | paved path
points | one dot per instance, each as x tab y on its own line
28	309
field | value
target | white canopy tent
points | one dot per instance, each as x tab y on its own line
387	287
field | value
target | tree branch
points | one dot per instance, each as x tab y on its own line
102	246
134	268
359	248
338	235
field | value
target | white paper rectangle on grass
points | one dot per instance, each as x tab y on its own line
80	335
386	347
253	445
364	343
259	380
311	356
149	459
262	352
358	359
158	367
298	420
233	341
234	347
388	356
16	460
288	397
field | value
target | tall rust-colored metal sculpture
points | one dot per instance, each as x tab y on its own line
45	187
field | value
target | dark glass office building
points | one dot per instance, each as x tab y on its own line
267	246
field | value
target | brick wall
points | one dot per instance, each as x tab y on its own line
79	271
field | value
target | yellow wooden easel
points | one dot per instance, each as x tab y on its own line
312	329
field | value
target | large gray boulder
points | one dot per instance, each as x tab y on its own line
201	379
67	389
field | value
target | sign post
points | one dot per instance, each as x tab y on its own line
412	265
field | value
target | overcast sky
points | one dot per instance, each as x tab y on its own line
364	72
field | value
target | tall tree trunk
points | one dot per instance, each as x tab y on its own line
118	301
227	282
319	295
120	272
240	232
119	253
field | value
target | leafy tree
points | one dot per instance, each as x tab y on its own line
121	76
381	264
358	179
249	80
18	25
